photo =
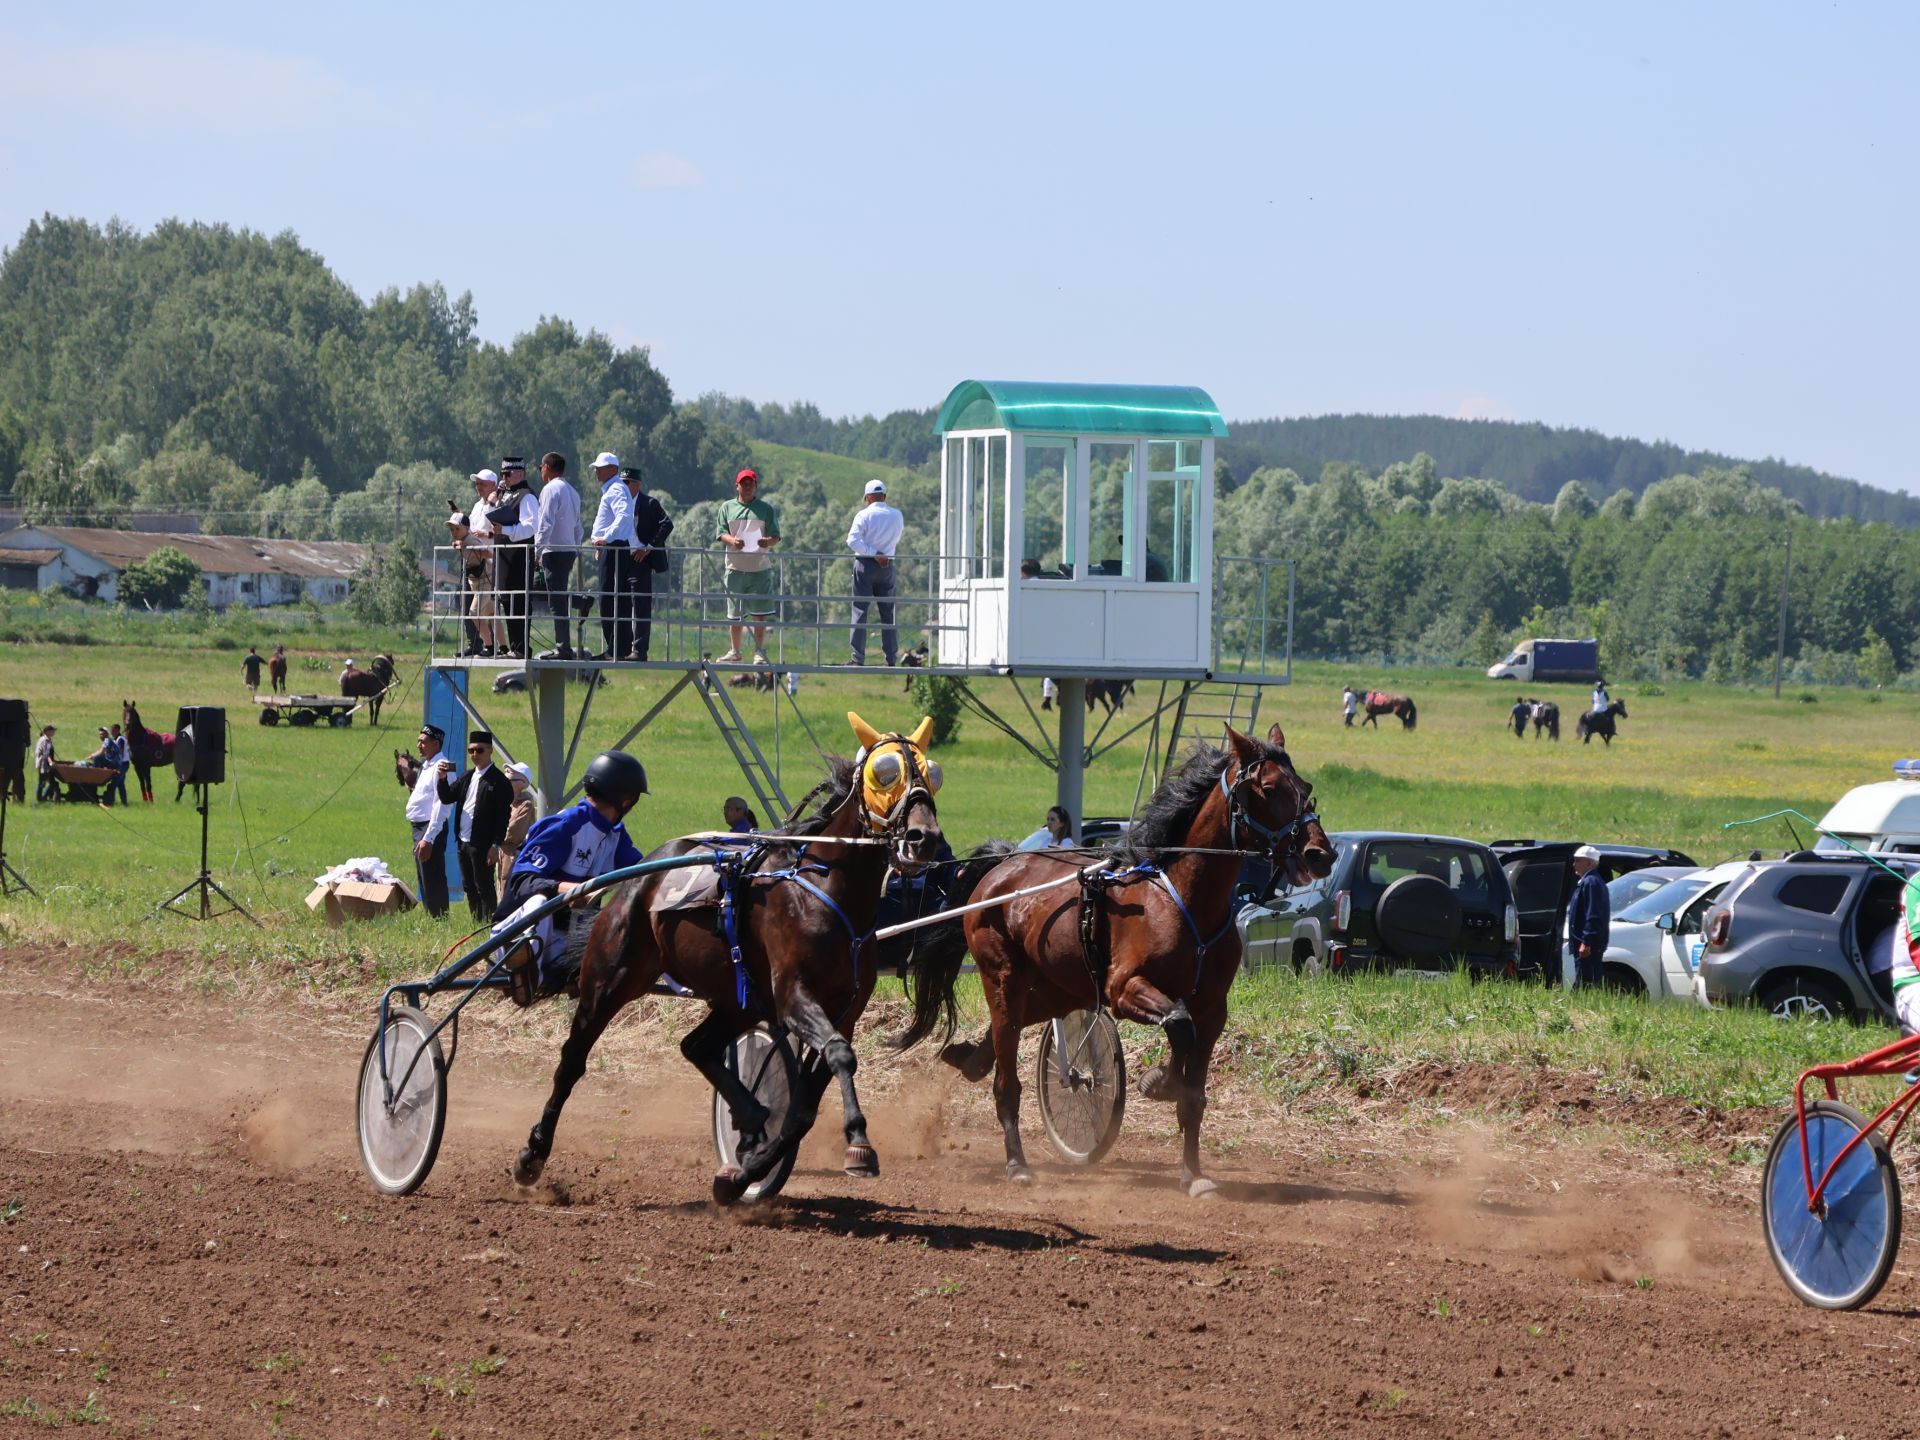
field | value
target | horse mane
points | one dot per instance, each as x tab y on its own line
1167	817
842	775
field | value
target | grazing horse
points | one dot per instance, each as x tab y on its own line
371	684
1600	722
1379	703
803	911
1148	931
147	748
1546	717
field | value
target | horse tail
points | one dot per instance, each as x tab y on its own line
1413	713
943	950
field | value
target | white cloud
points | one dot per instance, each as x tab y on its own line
1482	407
185	82
662	170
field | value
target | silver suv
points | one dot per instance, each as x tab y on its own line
1792	936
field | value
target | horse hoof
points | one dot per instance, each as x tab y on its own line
728	1186
861	1162
1019	1174
526	1170
1201	1188
1157	1084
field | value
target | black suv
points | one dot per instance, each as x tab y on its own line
1541	874
1392	901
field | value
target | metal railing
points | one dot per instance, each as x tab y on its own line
811	620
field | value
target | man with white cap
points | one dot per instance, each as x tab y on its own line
473	537
612	539
874	537
515	516
1589	917
556	540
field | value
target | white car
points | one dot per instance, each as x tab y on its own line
1640	957
1624	892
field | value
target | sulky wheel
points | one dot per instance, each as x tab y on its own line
398	1142
1837	1255
764	1061
1083	1101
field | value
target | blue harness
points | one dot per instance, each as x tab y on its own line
734	872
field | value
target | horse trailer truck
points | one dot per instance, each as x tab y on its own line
1539	660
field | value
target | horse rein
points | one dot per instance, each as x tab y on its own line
1279	840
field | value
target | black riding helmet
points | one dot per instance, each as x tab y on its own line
616	777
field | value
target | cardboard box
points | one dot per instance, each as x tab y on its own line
358	900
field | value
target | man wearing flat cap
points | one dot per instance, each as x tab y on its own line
514	517
473	538
428	817
481	805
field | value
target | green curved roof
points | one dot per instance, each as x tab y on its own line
1080	409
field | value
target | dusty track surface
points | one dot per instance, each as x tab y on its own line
197	1253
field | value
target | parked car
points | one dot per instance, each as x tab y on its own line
1792	937
1644	958
1391	901
1541	875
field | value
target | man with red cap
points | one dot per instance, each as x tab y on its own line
748	527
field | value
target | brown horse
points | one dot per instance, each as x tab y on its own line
371	684
1164	948
803	911
147	748
1378	703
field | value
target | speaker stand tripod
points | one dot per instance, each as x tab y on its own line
203	883
10	878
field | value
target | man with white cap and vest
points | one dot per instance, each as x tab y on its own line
612	540
874	537
1589	917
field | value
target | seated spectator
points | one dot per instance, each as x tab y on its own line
1058	831
740	820
1029	569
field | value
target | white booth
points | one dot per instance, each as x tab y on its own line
1077	528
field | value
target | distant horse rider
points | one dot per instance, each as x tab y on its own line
1600	698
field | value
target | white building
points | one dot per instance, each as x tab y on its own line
239	569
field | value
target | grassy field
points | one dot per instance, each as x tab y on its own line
843	478
300	800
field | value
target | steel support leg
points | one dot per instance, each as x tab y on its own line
549	692
1073	749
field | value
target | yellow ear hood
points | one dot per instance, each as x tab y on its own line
863	732
922	733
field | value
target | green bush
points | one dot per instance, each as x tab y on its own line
939	696
161	581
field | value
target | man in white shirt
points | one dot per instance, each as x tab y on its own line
613	540
427	814
874	537
473	536
514	518
556	540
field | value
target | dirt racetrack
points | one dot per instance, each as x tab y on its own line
196	1252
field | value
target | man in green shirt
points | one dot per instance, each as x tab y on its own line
748	528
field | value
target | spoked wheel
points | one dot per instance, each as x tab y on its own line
398	1141
1837	1255
1083	1101
764	1061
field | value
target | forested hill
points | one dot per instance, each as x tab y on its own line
1535	461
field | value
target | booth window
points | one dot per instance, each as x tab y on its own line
1173	510
1111	509
1047	513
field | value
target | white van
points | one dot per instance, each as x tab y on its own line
1883	817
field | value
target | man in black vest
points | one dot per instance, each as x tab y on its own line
514	517
481	806
651	527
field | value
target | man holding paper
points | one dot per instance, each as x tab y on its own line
748	527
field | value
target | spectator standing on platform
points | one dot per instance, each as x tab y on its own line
651	527
1056	832
748	527
483	800
613	541
428	817
519	820
515	516
473	538
121	750
873	538
250	669
556	542
740	820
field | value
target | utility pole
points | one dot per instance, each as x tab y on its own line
1780	647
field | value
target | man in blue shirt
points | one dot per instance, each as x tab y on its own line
560	854
1589	916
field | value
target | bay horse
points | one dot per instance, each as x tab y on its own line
277	670
1546	717
1600	722
803	910
1378	703
371	684
147	748
1148	932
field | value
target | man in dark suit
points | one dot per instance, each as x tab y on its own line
480	806
651	527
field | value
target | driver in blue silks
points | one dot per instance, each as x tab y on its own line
561	853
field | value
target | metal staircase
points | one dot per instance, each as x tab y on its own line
1204	707
761	778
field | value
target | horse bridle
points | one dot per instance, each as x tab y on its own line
1278	841
918	785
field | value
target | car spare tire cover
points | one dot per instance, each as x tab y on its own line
1418	915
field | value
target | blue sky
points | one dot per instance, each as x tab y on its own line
1683	222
